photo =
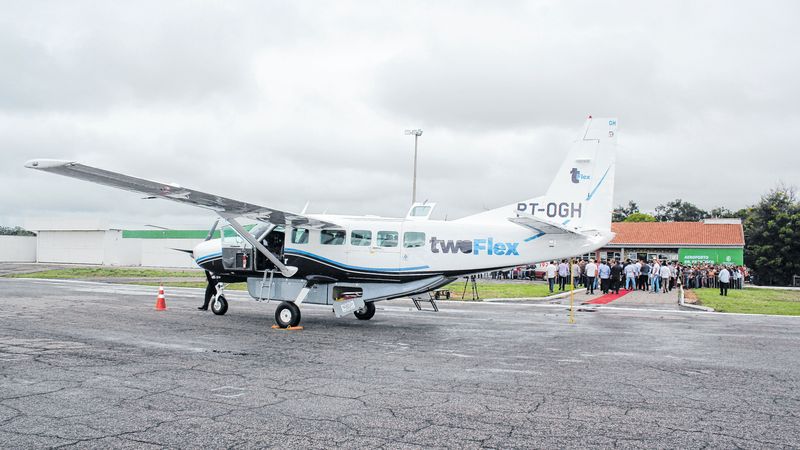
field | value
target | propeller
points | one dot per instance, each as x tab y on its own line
211	231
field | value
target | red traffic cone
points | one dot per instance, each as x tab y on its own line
161	302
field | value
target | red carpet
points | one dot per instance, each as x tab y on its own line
608	298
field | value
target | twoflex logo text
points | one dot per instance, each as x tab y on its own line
478	246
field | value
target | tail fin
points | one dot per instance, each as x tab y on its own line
581	194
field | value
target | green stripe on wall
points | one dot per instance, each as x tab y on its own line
176	234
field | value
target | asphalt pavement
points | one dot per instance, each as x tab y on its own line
93	365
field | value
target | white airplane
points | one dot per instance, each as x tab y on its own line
351	262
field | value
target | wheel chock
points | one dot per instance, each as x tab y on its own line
275	327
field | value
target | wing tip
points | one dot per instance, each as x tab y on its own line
47	163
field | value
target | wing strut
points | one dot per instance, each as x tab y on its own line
287	271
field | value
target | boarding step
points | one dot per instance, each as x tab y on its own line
267	285
422	299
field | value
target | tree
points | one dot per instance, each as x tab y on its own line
772	234
16	231
679	211
621	212
640	217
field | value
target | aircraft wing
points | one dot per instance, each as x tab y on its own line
176	193
542	226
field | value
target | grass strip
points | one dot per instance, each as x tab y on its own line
498	290
752	301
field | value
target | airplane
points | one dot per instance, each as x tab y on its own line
351	262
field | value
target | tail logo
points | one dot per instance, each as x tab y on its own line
577	176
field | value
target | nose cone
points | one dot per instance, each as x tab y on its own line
207	251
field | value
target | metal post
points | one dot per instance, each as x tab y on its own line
417	133
571	293
414	186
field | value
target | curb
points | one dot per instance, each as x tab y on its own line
690	307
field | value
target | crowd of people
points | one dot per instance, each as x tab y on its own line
651	276
654	276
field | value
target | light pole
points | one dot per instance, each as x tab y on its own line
417	133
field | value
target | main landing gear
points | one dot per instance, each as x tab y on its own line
366	312
287	314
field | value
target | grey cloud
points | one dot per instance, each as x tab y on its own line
278	103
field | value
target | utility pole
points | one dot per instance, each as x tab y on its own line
417	133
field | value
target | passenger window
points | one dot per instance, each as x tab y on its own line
300	236
388	238
332	237
360	238
413	239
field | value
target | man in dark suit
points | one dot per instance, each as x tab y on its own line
616	276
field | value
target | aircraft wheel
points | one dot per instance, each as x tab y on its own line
366	312
219	305
287	314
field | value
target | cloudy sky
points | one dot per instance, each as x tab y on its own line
279	104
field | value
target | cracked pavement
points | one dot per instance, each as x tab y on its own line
93	365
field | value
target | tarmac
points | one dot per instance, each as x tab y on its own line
85	364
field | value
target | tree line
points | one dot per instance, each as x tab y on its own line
771	229
15	231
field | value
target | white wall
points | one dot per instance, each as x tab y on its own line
18	248
160	253
121	252
79	247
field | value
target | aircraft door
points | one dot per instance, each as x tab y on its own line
413	249
237	254
374	249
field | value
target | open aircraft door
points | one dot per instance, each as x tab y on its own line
237	253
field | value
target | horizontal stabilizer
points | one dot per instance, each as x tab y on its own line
542	226
176	193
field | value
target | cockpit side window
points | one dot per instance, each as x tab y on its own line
299	236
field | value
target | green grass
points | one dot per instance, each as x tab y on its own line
107	272
752	301
191	284
499	290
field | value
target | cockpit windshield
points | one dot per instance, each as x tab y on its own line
259	229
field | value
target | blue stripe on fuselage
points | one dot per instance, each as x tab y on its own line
207	257
345	266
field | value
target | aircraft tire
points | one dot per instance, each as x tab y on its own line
219	305
287	314
367	312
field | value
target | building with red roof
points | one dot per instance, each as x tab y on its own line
718	241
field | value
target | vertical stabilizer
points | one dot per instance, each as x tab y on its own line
581	193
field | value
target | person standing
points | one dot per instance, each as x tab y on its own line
724	281
576	274
655	273
591	273
604	271
666	274
630	276
616	275
563	274
644	276
550	272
